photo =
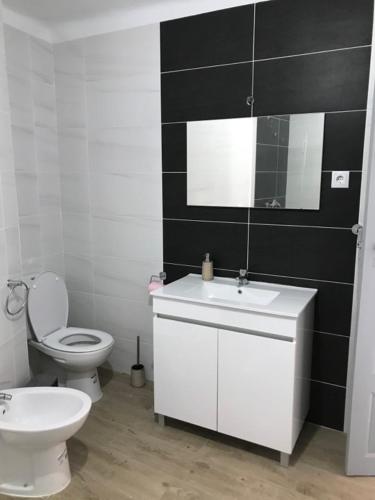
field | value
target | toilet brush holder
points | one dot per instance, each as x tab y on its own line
137	376
137	373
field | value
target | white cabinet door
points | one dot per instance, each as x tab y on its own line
255	389
185	371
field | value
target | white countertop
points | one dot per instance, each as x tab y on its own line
289	300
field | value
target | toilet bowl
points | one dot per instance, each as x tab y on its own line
79	351
34	427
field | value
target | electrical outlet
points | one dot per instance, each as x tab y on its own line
340	179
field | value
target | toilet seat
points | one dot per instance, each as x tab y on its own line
78	340
48	313
78	351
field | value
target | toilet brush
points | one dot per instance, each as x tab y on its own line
137	375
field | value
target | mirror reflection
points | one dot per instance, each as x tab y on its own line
265	162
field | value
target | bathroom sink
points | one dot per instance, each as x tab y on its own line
240	295
225	294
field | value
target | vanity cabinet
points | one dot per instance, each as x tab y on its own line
255	388
242	371
185	371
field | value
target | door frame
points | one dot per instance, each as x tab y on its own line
368	169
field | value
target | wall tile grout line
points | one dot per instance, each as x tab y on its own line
261	172
258	223
340	49
302	278
334	112
273	145
265	172
208	221
327	383
252	61
301	225
318	332
248	240
252	114
263	274
360	110
195	68
351	171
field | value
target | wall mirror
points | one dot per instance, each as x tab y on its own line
263	162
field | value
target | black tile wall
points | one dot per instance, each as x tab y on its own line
327	405
176	271
306	252
300	26
266	186
333	303
310	56
206	94
267	157
343	141
329	81
187	241
174	147
338	207
330	358
221	37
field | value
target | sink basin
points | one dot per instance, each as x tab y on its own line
224	293
240	295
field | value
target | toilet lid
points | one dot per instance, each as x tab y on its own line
47	304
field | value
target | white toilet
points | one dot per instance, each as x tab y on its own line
78	350
35	424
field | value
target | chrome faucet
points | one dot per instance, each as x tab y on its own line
242	277
5	396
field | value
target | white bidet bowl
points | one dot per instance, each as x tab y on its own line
34	426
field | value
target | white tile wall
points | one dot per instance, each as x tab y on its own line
81	311
125	150
79	273
46	149
9	193
108	101
80	179
6	151
24	151
42	61
132	195
127	237
31	75
14	366
73	151
125	319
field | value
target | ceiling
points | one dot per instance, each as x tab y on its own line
56	11
59	20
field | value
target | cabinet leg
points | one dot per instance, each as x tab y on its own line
161	420
284	459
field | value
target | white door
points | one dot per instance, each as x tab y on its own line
185	372
255	389
360	418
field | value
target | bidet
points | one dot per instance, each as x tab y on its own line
34	427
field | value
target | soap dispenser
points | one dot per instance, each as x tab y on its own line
207	268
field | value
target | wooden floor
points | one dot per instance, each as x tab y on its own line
121	453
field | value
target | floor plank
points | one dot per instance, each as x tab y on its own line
123	454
